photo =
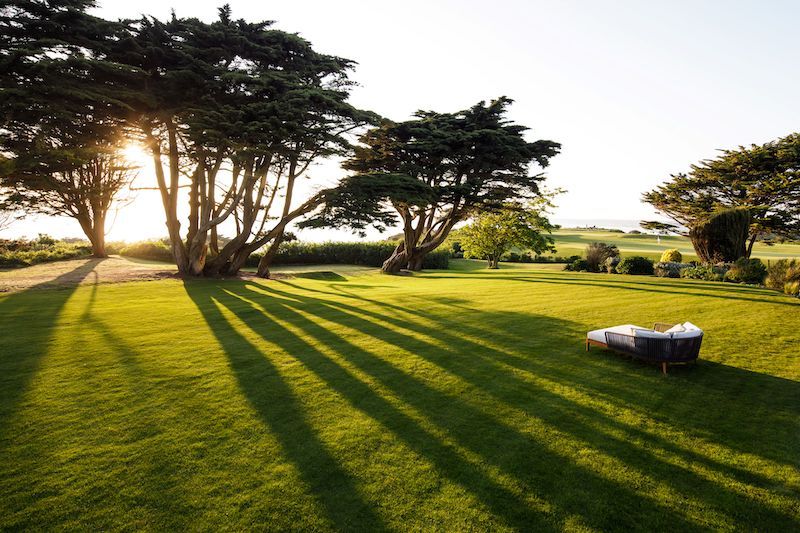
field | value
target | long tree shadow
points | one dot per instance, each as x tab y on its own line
568	487
20	355
483	371
282	412
751	399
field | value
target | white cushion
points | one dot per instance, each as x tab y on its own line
688	326
676	328
687	334
599	335
650	334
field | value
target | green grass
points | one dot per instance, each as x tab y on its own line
574	241
452	400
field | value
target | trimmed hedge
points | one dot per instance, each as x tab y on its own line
345	253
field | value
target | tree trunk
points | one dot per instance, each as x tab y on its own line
415	263
750	244
396	261
99	240
269	255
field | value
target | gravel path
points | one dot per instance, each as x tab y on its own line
82	271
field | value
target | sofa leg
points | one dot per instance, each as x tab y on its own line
587	345
664	368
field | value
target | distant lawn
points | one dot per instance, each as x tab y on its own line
573	242
456	400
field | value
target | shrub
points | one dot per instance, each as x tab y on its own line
636	265
611	265
158	250
22	253
705	272
746	270
579	265
669	269
784	275
597	253
671	256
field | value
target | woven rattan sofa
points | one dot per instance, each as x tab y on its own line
665	343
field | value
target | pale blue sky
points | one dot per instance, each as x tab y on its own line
633	90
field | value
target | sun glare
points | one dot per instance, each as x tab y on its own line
136	154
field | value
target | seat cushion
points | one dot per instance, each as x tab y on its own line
687	334
599	335
688	326
676	329
650	334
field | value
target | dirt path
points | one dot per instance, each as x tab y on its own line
82	271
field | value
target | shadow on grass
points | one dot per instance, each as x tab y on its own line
22	346
568	487
282	412
445	343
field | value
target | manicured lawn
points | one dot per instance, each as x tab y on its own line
574	242
455	400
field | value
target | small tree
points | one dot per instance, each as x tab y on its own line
493	234
598	252
81	183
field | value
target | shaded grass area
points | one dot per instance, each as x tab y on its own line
574	242
460	400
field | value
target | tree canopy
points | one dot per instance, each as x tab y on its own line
63	103
434	171
762	178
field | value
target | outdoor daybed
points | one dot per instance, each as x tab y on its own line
665	343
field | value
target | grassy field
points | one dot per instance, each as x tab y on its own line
450	400
573	242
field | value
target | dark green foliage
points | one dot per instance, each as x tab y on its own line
578	265
722	237
597	253
344	253
636	265
705	272
745	270
762	178
434	171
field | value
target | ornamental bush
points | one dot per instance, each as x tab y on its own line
636	265
671	256
705	272
669	269
784	275
745	270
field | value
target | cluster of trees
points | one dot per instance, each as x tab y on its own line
233	113
743	196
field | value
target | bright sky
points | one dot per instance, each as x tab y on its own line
633	90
